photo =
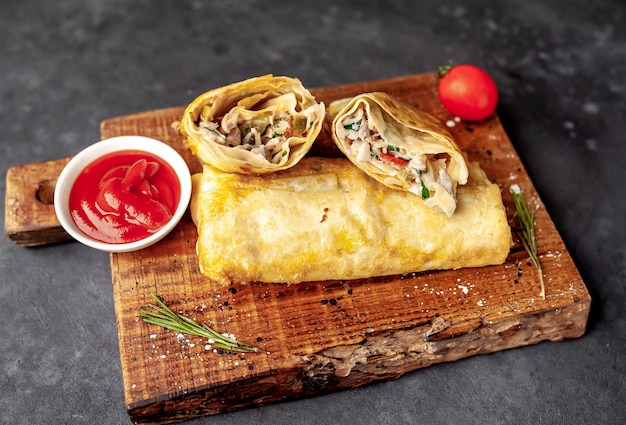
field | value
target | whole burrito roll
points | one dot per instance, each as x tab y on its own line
324	219
260	125
400	146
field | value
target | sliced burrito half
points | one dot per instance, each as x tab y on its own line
260	125
400	146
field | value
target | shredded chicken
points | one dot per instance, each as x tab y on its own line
264	131
365	144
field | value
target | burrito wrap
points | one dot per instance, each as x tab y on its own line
400	146
326	220
260	125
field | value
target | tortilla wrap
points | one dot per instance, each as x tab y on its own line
324	219
400	146
260	125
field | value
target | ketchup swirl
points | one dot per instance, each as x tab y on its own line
124	197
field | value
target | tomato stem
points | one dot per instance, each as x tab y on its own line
443	70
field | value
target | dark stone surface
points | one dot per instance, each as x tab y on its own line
66	65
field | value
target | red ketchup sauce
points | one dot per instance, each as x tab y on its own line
124	197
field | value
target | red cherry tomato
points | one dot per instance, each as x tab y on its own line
467	92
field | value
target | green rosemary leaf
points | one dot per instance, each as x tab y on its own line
162	315
526	231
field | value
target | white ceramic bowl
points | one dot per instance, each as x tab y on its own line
116	144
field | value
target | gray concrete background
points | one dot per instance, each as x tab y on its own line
67	65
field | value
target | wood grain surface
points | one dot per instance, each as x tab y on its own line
29	218
326	336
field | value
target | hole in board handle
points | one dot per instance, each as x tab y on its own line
45	191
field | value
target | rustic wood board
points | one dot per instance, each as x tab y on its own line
29	218
326	336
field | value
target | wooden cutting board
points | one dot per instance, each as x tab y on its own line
323	336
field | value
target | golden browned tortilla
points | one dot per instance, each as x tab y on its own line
401	147
260	125
324	219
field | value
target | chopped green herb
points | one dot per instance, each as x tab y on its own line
247	130
393	148
217	133
284	153
425	191
353	126
276	134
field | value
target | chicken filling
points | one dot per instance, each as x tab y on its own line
365	144
263	130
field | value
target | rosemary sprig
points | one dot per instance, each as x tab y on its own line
526	230
163	316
